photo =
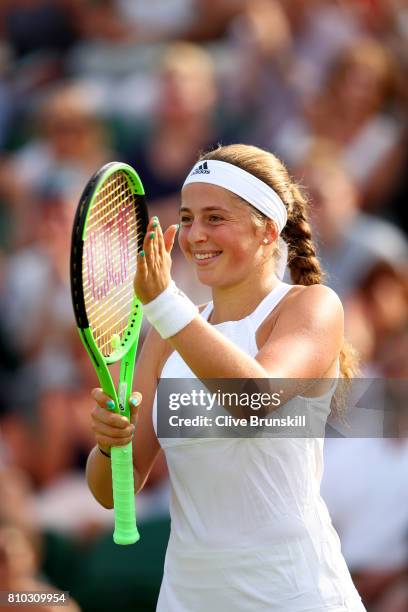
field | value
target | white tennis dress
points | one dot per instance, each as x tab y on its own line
249	530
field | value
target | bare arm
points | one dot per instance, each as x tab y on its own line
304	343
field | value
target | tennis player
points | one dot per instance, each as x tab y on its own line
250	531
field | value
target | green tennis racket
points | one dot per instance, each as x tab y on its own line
109	228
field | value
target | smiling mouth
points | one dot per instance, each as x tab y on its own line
204	257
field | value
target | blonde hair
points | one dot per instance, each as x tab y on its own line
304	265
188	58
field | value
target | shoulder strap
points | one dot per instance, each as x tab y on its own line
268	304
205	313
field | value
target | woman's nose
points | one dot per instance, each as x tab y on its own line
196	232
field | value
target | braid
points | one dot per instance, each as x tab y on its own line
303	263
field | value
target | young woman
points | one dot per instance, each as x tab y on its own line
250	531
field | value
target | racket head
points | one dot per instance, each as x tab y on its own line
109	228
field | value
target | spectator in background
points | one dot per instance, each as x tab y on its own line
160	20
382	18
359	94
38	423
377	319
6	96
364	487
350	241
19	569
122	40
282	51
36	304
20	542
183	123
127	21
71	144
39	35
39	25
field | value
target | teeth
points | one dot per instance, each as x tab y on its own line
206	255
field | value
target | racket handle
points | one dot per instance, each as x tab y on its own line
123	495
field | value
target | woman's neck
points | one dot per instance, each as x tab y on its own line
238	301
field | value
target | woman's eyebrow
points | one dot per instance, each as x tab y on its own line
205	208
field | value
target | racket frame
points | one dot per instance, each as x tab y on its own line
124	505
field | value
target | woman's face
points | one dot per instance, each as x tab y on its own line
218	236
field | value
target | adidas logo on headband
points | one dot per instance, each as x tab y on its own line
202	169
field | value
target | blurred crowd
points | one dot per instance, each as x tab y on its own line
321	83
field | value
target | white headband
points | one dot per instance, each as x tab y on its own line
243	184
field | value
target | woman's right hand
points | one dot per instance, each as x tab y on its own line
112	429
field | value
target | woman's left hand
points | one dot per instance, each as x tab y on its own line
154	262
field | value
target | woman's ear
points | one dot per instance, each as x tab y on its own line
271	232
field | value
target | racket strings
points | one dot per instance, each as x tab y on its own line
109	264
112	197
99	264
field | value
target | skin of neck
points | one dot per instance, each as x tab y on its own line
237	301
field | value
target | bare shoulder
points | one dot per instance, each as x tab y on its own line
318	298
314	306
309	323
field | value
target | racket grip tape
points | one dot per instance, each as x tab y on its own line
123	495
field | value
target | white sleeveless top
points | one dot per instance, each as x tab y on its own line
249	530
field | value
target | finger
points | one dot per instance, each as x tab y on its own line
134	401
153	223
152	228
154	244
107	431
169	237
141	265
113	419
149	246
103	400
161	246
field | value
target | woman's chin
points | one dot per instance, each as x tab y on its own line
205	277
212	280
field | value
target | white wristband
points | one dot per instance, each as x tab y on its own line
170	311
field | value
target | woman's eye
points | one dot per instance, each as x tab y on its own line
184	219
214	218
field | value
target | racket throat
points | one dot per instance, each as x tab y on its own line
122	396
